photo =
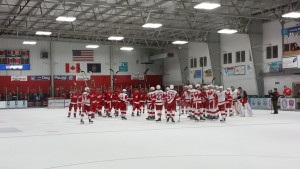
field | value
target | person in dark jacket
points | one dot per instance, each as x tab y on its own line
274	98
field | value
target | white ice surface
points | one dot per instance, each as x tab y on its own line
48	140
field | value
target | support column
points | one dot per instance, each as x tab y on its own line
214	47
256	42
51	70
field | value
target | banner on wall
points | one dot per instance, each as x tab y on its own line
82	78
58	77
260	103
249	69
290	62
291	49
137	77
229	71
208	73
14	67
197	74
276	66
94	67
123	67
239	70
33	78
18	78
287	103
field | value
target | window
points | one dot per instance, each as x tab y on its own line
272	52
203	61
193	63
240	56
227	58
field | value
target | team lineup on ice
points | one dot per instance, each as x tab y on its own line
198	102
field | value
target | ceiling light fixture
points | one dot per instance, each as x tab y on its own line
179	42
207	5
291	15
116	38
152	25
43	33
92	46
227	31
29	42
127	48
66	18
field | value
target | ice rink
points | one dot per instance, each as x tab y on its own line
46	139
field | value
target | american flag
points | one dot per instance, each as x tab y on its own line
83	55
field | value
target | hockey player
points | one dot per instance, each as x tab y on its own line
143	97
123	100
108	102
99	101
183	96
193	93
210	97
86	103
234	94
228	100
172	98
79	102
243	97
136	102
115	102
199	106
221	103
93	99
159	101
73	103
151	104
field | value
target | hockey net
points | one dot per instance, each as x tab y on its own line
57	102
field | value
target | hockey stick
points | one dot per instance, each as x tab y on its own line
179	113
84	75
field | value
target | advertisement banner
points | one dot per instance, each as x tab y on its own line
197	74
229	71
33	78
58	77
208	73
123	67
260	103
276	67
137	77
239	70
290	62
18	78
287	103
14	67
16	104
82	78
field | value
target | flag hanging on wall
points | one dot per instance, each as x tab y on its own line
83	55
94	67
72	68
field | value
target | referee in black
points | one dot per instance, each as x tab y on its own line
274	98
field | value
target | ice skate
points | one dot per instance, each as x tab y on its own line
74	115
223	120
168	119
81	121
159	119
196	119
69	114
202	119
124	118
138	114
172	119
90	121
149	118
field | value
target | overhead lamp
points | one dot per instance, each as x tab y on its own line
126	48
29	42
116	38
291	15
179	42
66	18
207	5
43	33
227	31
92	46
152	25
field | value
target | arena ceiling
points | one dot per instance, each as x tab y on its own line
96	20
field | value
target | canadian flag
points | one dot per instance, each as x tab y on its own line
72	68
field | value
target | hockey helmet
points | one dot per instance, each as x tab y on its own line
87	89
158	87
171	87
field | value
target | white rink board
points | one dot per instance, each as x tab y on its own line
262	141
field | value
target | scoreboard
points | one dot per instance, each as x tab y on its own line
14	56
14	60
